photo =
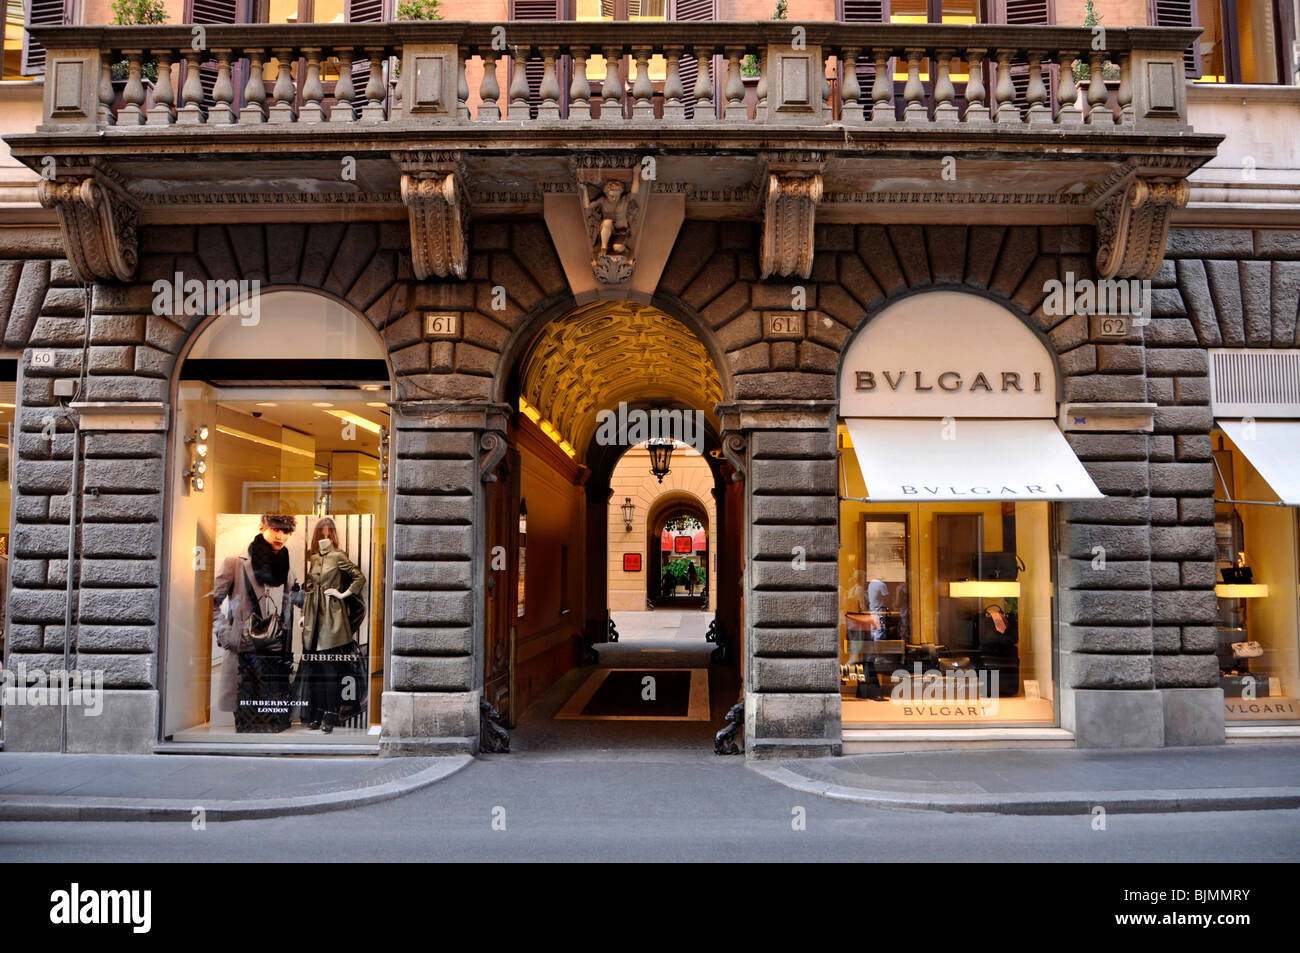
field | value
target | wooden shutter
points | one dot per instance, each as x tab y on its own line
863	11
41	13
1180	13
687	67
534	67
362	11
218	12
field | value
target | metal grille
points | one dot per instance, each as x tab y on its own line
1255	382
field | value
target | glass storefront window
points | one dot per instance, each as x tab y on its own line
1242	49
1259	605
945	611
275	628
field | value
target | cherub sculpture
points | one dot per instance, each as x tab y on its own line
609	212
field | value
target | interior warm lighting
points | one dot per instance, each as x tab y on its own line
375	403
372	386
568	448
361	422
262	441
1241	590
8	406
267	403
529	411
321	404
984	589
661	455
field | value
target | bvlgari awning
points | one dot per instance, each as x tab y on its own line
1273	448
922	460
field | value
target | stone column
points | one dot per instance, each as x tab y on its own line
786	450
442	452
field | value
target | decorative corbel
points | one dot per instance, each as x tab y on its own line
492	447
98	221
437	202
734	447
1132	225
790	198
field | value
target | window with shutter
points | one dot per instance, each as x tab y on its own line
1179	13
218	12
687	67
1027	13
40	13
863	11
534	66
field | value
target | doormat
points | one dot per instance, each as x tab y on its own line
641	694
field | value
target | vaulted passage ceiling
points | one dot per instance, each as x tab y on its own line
608	352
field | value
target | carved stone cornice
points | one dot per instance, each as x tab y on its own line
790	200
1132	224
98	221
433	190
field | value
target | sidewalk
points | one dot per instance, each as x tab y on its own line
85	787
1056	780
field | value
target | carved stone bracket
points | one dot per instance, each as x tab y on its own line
790	199
733	448
98	221
492	447
433	190
1132	225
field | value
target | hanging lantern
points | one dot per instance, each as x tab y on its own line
661	454
628	510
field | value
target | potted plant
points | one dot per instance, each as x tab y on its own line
1083	71
134	13
749	66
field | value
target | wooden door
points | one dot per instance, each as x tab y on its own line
501	588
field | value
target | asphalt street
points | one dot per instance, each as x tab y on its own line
655	808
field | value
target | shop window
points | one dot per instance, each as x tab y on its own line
945	610
275	628
1256	560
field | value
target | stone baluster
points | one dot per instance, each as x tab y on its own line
282	109
254	110
549	108
882	90
851	110
488	89
192	112
945	107
674	93
1036	94
735	89
580	86
344	110
1067	93
222	112
977	110
1005	90
132	113
373	110
1125	92
106	94
518	84
704	108
760	89
462	84
914	91
164	96
313	92
828	92
1098	114
643	91
611	88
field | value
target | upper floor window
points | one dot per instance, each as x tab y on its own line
23	55
946	11
1242	41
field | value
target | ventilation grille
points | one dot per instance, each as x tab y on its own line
1255	383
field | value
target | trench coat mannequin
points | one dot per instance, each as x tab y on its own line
331	577
236	581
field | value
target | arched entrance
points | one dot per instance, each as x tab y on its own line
677	539
281	423
589	388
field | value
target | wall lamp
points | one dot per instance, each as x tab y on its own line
628	510
197	445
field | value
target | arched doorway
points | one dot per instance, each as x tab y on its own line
677	540
281	422
589	387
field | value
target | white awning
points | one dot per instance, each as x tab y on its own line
926	460
1273	448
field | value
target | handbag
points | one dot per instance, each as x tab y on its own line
268	638
358	669
998	628
356	607
1250	649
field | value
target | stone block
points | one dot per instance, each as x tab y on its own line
433	542
1106	607
433	607
1200	638
448	673
780	724
1119	542
139	573
774	675
1082	670
416	640
418	723
1114	719
790	542
116	540
1193	716
1110	574
120	670
1184	420
1186	671
1119	479
1182	479
118	606
795	609
803	642
1182	542
419	508
785	574
435	476
1133	640
1182	607
792	444
432	574
822	510
793	476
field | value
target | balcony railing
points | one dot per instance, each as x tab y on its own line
882	77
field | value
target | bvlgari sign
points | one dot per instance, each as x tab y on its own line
947	354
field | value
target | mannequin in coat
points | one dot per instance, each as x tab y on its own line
242	581
327	636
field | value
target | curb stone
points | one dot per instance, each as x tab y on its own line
24	807
1046	803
